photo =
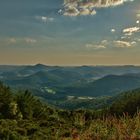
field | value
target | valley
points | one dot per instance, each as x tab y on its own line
72	86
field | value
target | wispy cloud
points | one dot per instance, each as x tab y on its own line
124	44
131	30
104	42
137	39
44	19
12	40
95	46
30	40
17	40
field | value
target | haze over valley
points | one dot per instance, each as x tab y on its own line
57	84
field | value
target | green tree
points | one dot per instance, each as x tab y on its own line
6	99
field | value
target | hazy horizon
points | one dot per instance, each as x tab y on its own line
93	65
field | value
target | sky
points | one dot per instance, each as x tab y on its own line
59	32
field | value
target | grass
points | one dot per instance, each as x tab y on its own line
109	128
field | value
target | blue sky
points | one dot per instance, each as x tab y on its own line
39	31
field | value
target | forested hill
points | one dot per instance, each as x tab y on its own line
24	117
60	83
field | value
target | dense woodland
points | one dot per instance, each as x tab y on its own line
24	117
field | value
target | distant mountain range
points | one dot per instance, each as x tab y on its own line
60	83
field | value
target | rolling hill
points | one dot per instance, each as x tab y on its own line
106	86
57	83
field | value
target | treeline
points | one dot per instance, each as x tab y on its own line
24	117
20	105
128	103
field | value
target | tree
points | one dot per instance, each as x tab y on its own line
6	99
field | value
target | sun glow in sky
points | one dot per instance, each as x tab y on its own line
57	33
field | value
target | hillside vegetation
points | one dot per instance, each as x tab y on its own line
57	84
24	117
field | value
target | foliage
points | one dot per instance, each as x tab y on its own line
24	117
128	102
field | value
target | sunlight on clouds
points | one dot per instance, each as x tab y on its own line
93	12
130	31
71	11
133	42
72	28
124	44
81	7
85	12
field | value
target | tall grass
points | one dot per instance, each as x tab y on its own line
112	128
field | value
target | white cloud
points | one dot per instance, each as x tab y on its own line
124	44
130	31
93	12
125	37
105	42
30	40
133	42
71	11
128	34
60	11
96	47
45	19
74	11
81	7
137	21
113	30
97	3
